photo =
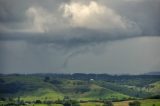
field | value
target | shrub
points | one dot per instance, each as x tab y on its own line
38	102
46	79
108	103
71	103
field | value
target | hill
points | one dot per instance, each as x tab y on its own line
78	86
153	73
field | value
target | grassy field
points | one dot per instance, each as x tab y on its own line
147	102
45	105
43	94
91	104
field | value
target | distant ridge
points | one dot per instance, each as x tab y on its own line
153	73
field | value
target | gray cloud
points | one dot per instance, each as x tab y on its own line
140	17
51	33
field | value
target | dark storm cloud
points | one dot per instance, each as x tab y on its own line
87	38
63	29
144	13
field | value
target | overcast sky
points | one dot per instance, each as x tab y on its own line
79	36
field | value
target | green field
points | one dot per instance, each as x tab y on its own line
30	88
43	94
147	102
45	105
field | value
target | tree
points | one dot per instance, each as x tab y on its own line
75	103
46	79
108	103
67	103
18	100
2	99
38	102
71	103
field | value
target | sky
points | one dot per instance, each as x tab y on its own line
79	36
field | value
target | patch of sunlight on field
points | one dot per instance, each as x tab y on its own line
124	103
44	94
148	102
